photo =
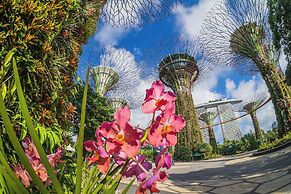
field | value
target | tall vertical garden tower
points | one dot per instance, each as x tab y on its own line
179	72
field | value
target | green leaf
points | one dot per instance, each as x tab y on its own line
18	148
24	110
3	90
127	187
12	174
6	63
81	138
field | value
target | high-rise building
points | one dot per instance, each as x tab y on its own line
230	130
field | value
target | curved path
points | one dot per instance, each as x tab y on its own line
244	174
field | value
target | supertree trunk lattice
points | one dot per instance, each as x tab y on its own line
250	106
180	71
207	116
237	33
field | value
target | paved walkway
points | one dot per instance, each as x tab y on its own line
244	174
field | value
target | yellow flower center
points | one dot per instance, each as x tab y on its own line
119	137
158	102
167	128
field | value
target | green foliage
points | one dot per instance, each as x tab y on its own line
203	148
229	148
277	142
280	21
248	143
97	112
183	153
11	184
149	152
45	38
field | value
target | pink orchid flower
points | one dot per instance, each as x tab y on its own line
55	157
40	170
22	174
163	160
30	149
120	135
99	157
151	183
164	130
138	167
156	98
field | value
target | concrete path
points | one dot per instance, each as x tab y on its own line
244	174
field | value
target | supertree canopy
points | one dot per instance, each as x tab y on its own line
237	34
180	71
124	13
207	116
117	71
250	106
119	98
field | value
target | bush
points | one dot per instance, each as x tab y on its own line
183	153
203	148
229	148
248	143
148	151
277	142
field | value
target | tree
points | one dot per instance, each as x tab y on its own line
237	34
280	21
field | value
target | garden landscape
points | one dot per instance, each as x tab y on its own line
145	96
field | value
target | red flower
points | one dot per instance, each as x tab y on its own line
151	183
55	157
165	128
120	135
156	98
138	167
99	157
163	160
22	174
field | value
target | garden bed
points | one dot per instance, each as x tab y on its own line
259	153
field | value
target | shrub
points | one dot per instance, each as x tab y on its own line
183	153
277	142
148	151
203	148
229	148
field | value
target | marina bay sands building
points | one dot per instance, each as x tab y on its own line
230	130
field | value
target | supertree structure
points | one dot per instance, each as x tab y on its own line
250	106
120	13
117	71
207	116
237	34
180	71
120	98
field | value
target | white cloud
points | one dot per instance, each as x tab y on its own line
110	35
247	90
190	19
203	91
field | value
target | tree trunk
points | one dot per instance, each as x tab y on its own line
212	140
280	92
185	106
255	121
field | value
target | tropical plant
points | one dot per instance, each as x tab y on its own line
114	153
98	111
183	153
45	39
280	22
203	148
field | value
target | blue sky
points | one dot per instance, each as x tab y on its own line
186	19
